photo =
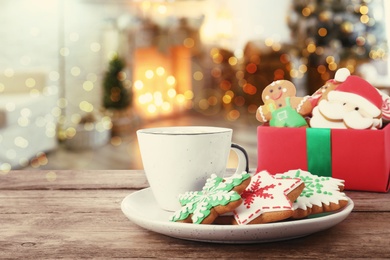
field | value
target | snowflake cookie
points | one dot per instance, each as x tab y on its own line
217	197
267	199
321	194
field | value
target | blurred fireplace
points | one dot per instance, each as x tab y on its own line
161	68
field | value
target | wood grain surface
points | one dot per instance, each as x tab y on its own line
76	214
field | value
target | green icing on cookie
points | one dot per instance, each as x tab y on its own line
216	192
313	184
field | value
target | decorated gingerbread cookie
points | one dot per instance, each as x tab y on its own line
332	84
321	194
354	104
267	199
282	108
217	197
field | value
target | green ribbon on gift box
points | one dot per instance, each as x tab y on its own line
319	153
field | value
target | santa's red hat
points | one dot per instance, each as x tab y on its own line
358	91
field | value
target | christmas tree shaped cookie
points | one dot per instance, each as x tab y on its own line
267	199
321	194
217	197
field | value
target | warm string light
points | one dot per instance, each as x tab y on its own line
47	122
348	31
86	102
162	78
155	92
225	97
157	89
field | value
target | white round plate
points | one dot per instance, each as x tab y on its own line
142	209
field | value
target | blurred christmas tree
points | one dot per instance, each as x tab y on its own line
115	96
329	34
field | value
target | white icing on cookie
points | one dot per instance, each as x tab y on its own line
319	121
260	109
318	190
301	103
265	193
355	121
342	74
336	115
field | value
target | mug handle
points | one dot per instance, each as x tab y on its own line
243	164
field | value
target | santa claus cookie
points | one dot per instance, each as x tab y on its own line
282	108
217	197
267	199
321	194
354	104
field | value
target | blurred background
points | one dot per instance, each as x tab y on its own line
79	77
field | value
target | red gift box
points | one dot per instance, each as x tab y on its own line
360	157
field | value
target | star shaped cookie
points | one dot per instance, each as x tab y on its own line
321	193
267	199
217	197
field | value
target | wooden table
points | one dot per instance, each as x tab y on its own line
76	214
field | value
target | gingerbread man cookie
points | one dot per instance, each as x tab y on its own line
321	194
267	199
281	106
217	197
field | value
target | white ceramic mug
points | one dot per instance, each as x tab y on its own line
180	159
